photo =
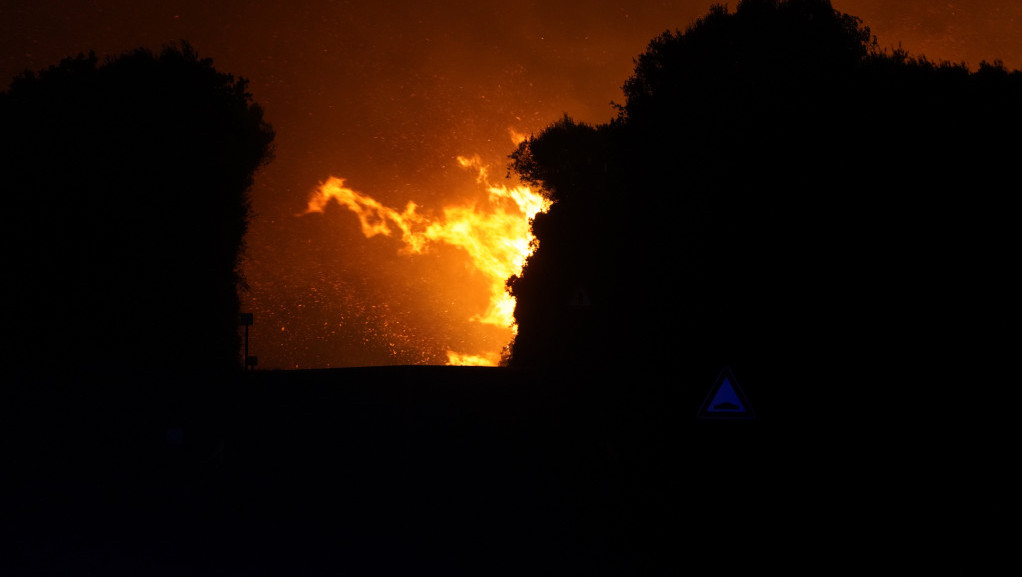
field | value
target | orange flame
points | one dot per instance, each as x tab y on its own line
497	238
459	359
517	137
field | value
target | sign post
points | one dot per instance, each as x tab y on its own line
246	319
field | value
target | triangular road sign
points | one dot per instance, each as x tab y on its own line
726	400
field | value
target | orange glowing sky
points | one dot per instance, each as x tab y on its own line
387	95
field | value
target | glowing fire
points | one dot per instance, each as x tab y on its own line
497	238
454	358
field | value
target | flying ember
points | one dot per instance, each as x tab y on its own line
495	235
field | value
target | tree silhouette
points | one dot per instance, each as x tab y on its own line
776	193
575	163
125	209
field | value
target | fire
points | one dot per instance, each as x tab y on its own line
517	137
454	358
496	237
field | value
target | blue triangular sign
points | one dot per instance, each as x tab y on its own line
726	400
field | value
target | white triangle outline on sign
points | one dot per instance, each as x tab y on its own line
726	399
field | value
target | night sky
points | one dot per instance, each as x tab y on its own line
387	95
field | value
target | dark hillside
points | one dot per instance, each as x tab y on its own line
389	470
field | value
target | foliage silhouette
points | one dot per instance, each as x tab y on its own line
125	209
777	194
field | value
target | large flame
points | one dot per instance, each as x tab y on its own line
496	237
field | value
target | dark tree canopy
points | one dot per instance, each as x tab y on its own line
125	205
776	194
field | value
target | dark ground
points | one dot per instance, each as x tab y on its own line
408	471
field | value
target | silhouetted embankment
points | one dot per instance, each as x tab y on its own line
389	469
